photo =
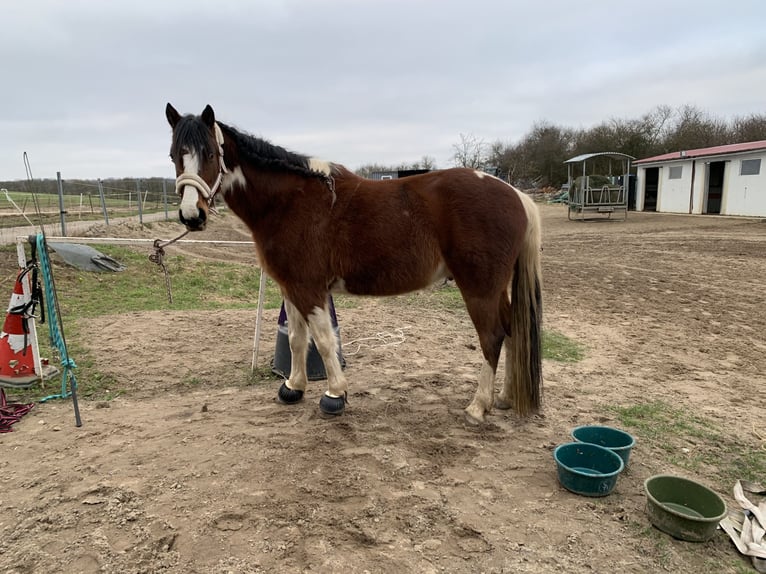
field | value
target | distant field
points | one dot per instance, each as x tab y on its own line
16	207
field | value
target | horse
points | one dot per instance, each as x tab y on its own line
320	229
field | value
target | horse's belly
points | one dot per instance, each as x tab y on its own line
385	282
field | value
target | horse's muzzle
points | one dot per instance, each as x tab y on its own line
194	224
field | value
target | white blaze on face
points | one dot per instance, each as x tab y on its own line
190	196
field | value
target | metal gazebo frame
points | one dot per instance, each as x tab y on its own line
600	198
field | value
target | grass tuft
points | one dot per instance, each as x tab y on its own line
693	443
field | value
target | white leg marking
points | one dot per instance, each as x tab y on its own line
323	333
503	400
440	274
234	177
482	400
188	205
297	333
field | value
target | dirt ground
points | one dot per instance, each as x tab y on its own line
197	471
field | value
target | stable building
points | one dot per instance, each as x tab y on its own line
726	180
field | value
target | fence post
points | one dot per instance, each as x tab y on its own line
165	196
103	201
62	212
138	200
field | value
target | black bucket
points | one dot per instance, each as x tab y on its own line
315	369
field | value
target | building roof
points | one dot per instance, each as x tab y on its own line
587	156
705	151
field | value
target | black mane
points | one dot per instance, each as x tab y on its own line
268	156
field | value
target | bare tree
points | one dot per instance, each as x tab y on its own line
470	152
695	128
748	128
427	162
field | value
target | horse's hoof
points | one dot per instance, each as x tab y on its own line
472	420
332	406
288	396
502	405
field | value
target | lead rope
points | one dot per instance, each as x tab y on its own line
158	257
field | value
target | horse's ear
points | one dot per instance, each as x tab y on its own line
208	116
172	115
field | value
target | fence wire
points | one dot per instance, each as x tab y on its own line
64	207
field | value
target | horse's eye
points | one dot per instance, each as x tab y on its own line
210	155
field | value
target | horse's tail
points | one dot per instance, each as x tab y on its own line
524	353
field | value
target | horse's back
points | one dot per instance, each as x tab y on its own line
470	205
400	235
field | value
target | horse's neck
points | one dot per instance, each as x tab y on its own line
261	197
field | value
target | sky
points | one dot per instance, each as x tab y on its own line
84	83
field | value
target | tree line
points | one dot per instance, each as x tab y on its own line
537	159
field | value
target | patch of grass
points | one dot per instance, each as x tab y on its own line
658	419
558	347
671	429
194	284
345	301
446	297
741	568
260	374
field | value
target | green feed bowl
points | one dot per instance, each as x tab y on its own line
587	469
683	508
614	439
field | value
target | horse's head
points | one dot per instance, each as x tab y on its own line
197	153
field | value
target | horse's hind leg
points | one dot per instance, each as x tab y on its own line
292	390
333	402
505	399
485	318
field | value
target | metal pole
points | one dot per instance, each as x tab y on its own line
62	212
165	196
258	318
103	201
138	200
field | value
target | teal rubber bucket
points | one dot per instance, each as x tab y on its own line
616	440
587	469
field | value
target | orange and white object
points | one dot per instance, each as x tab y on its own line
17	356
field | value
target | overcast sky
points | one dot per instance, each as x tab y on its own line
84	82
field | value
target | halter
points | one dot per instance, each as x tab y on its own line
200	184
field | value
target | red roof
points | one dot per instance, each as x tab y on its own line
705	151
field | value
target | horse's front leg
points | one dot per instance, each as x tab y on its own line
333	402
292	390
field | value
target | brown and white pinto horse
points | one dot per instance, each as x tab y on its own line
319	228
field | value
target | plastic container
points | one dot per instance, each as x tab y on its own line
683	508
614	439
587	469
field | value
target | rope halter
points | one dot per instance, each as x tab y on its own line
200	184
